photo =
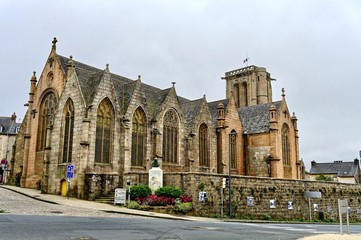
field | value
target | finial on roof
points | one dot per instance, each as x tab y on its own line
54	43
70	62
283	93
34	76
107	66
139	77
204	96
173	84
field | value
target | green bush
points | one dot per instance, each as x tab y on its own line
266	217
201	186
140	191
133	205
324	178
183	207
170	191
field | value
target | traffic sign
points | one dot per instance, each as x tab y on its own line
70	168
70	172
69	175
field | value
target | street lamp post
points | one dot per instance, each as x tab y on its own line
232	134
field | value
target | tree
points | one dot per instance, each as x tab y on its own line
324	178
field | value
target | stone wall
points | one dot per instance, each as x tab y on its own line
263	190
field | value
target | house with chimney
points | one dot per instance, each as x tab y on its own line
339	171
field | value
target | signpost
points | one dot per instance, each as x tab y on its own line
69	175
310	195
343	208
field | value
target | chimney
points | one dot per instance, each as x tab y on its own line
356	161
313	163
13	117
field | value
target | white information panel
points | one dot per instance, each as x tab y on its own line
120	196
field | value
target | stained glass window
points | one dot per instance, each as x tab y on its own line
68	131
170	137
285	145
203	145
46	116
138	137
104	132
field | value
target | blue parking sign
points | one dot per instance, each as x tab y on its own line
70	168
69	175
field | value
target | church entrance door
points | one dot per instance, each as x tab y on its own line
63	187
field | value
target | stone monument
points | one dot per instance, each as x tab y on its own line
155	176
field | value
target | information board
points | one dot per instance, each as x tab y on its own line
120	196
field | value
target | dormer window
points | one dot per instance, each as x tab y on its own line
17	129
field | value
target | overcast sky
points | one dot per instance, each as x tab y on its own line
312	48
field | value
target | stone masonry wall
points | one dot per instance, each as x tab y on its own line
263	190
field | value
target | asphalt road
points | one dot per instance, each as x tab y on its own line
26	218
85	228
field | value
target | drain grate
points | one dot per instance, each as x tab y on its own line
57	212
85	238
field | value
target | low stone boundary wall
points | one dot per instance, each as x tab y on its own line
260	193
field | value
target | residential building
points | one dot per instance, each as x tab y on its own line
338	171
9	128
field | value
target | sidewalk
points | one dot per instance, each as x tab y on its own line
74	202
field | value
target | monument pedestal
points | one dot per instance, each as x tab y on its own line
155	178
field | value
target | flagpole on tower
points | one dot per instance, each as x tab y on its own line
245	61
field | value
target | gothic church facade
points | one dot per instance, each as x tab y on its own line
110	128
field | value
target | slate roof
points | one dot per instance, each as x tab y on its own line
212	106
190	110
89	78
9	126
340	168
255	119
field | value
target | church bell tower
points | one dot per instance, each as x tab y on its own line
250	85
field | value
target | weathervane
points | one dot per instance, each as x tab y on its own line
245	61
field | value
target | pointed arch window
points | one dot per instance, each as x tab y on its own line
285	145
68	131
170	137
203	145
243	95
46	115
233	148
104	132
138	137
237	92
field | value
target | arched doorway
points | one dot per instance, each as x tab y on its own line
63	187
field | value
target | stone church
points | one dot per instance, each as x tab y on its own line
111	128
